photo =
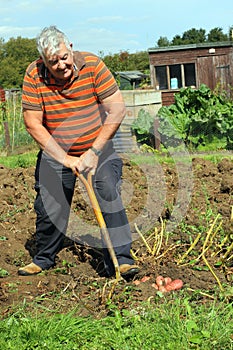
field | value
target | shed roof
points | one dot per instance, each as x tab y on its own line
191	46
132	74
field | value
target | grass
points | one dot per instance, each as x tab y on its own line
23	160
174	157
172	324
28	158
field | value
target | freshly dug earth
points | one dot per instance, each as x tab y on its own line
153	196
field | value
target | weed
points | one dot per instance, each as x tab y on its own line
19	257
3	238
3	273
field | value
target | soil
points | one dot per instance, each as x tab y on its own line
186	198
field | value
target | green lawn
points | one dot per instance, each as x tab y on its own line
169	325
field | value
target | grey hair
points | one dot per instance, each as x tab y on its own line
49	40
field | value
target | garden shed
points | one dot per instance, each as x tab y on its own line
130	80
174	67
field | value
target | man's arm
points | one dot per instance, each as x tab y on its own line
34	124
114	106
33	121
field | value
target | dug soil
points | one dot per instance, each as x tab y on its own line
170	205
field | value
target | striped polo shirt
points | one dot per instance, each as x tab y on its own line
72	112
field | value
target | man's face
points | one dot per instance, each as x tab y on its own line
61	64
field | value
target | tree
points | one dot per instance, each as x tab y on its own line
194	36
163	41
124	61
16	54
1	48
177	40
216	34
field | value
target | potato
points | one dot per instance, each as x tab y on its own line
174	285
159	281
167	280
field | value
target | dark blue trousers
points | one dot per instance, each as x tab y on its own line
54	185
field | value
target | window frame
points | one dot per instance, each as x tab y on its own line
182	78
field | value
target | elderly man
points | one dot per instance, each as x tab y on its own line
72	108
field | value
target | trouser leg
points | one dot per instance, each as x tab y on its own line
107	181
55	187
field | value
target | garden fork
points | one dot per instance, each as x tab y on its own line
99	216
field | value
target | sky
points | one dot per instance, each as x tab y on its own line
112	26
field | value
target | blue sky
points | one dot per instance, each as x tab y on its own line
113	26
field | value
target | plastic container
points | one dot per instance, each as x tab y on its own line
174	83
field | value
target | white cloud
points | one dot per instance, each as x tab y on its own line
9	31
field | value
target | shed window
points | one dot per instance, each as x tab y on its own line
182	74
175	72
189	74
161	75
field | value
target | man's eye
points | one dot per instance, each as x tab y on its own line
52	63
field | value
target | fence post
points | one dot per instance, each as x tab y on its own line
4	119
157	134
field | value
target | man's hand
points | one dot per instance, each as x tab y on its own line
87	162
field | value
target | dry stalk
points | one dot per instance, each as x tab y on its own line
206	246
157	240
202	293
204	250
110	294
220	246
167	250
143	239
213	273
190	249
134	254
229	249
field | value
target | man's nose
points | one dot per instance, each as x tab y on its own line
61	64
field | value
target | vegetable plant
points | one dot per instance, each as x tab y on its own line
198	117
143	127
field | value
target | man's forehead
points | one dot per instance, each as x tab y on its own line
52	53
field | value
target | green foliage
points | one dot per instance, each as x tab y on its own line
143	126
192	36
15	55
125	61
175	323
11	117
24	160
216	35
195	36
198	117
163	41
3	273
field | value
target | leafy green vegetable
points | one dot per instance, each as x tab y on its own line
143	126
197	117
